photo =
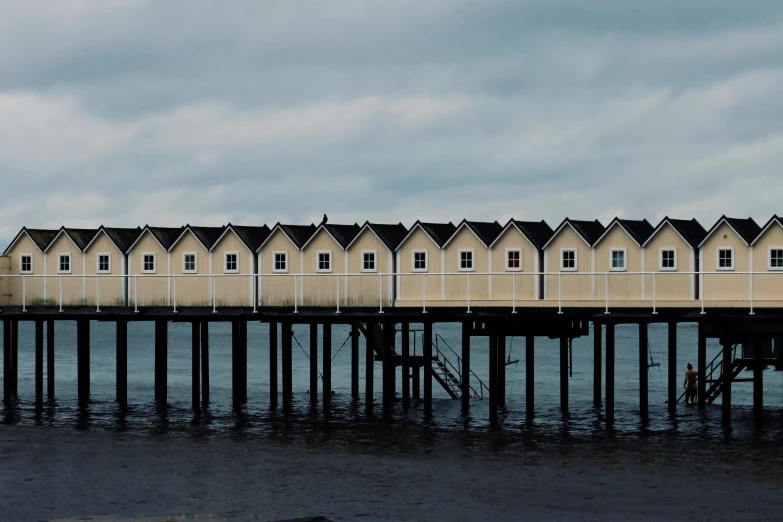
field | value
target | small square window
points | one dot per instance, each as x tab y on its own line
280	262
618	259
568	260
420	261
231	263
725	259
368	262
26	264
64	264
104	263
148	263
776	258
466	260
324	262
513	260
189	263
668	259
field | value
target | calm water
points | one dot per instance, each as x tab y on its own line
583	422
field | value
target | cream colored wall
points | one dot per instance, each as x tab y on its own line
321	289
506	285
110	286
411	283
670	285
233	290
457	285
73	287
365	290
35	286
767	284
191	289
278	290
5	270
728	285
575	287
152	291
622	285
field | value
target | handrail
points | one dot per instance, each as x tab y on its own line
482	386
715	364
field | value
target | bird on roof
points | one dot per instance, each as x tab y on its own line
325	219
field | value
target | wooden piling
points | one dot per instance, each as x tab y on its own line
161	361
493	380
726	392
121	347
204	364
195	373
427	369
14	359
702	367
416	382
758	382
83	360
287	355
235	401
597	348
355	361
501	371
273	365
6	360
385	372
327	364
39	363
50	359
406	365
643	371
369	358
465	368
314	363
242	346
530	341
564	373
672	371
609	402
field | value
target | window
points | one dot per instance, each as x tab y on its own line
104	263
466	260
368	262
148	263
668	259
617	258
26	264
189	263
725	259
281	262
568	260
513	260
231	265
419	260
324	262
776	258
64	264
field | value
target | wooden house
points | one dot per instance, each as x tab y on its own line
418	255
672	252
279	260
467	261
27	258
106	265
372	265
618	255
149	266
517	259
235	264
725	259
568	261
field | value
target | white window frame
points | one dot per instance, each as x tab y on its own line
98	263
575	268
374	260
195	263
769	259
611	260
226	270
276	270
717	258
154	263
514	269
20	264
472	260
426	261
318	262
59	264
662	268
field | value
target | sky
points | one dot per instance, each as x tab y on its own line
134	112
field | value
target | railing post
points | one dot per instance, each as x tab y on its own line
606	277
175	294
98	293
468	292
136	292
254	282
214	296
701	291
296	310
513	292
654	294
24	293
380	292
338	294
424	294
751	295
61	294
559	293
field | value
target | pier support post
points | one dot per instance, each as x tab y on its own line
195	373
702	367
501	371
50	359
390	335
672	372
530	342
369	358
327	363
121	347
161	361
726	393
564	372
273	365
355	361
597	347
416	381
243	361
205	364
83	360
239	362
493	380
235	400
406	365
39	353
609	406
287	361
6	360
427	369
386	386
758	382
314	363
14	359
643	370
465	368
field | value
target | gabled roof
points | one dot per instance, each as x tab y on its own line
297	234
537	232
343	234
164	236
773	219
389	235
40	237
486	232
207	236
689	230
80	237
251	237
747	229
589	231
122	238
639	231
439	233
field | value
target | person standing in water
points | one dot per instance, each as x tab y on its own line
690	384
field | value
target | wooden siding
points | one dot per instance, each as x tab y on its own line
623	285
522	284
278	289
457	285
365	289
35	286
728	285
320	288
5	270
411	284
233	290
73	292
110	286
190	289
153	290
576	285
672	285
767	284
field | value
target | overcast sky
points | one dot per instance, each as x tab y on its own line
126	112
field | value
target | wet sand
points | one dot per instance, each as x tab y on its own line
48	473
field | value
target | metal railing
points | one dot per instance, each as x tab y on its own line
458	368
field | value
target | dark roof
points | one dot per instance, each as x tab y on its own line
589	230
390	235
344	234
640	231
746	228
773	219
486	232
81	236
299	234
538	232
123	238
252	237
42	238
207	235
166	236
439	232
690	229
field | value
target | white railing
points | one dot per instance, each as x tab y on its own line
383	290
